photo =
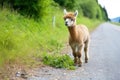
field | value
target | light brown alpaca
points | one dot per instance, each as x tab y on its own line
79	37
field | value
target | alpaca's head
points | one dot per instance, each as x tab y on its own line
70	18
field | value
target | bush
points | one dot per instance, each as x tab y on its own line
58	61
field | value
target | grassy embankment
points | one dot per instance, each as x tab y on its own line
25	41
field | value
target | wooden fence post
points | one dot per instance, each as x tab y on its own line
53	21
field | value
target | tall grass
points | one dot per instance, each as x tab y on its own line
21	37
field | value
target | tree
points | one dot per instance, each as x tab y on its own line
69	4
89	8
105	15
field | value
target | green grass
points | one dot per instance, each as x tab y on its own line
91	24
23	39
116	23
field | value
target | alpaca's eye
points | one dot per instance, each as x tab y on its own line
72	20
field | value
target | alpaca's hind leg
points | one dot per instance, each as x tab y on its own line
79	59
86	51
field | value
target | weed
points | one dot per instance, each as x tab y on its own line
58	61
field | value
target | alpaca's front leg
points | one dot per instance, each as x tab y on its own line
75	58
79	56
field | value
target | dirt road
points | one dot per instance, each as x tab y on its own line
104	62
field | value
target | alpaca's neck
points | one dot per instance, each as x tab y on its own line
73	32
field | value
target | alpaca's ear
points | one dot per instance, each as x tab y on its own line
65	12
76	13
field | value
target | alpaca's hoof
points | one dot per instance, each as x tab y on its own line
75	64
79	65
86	61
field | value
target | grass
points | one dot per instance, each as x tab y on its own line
21	36
91	24
116	23
25	41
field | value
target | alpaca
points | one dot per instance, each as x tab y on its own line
79	37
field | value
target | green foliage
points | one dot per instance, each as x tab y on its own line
38	9
91	9
25	7
104	14
116	23
89	23
30	8
87	8
21	37
99	13
69	4
58	61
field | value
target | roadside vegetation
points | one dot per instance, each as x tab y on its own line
30	38
116	23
